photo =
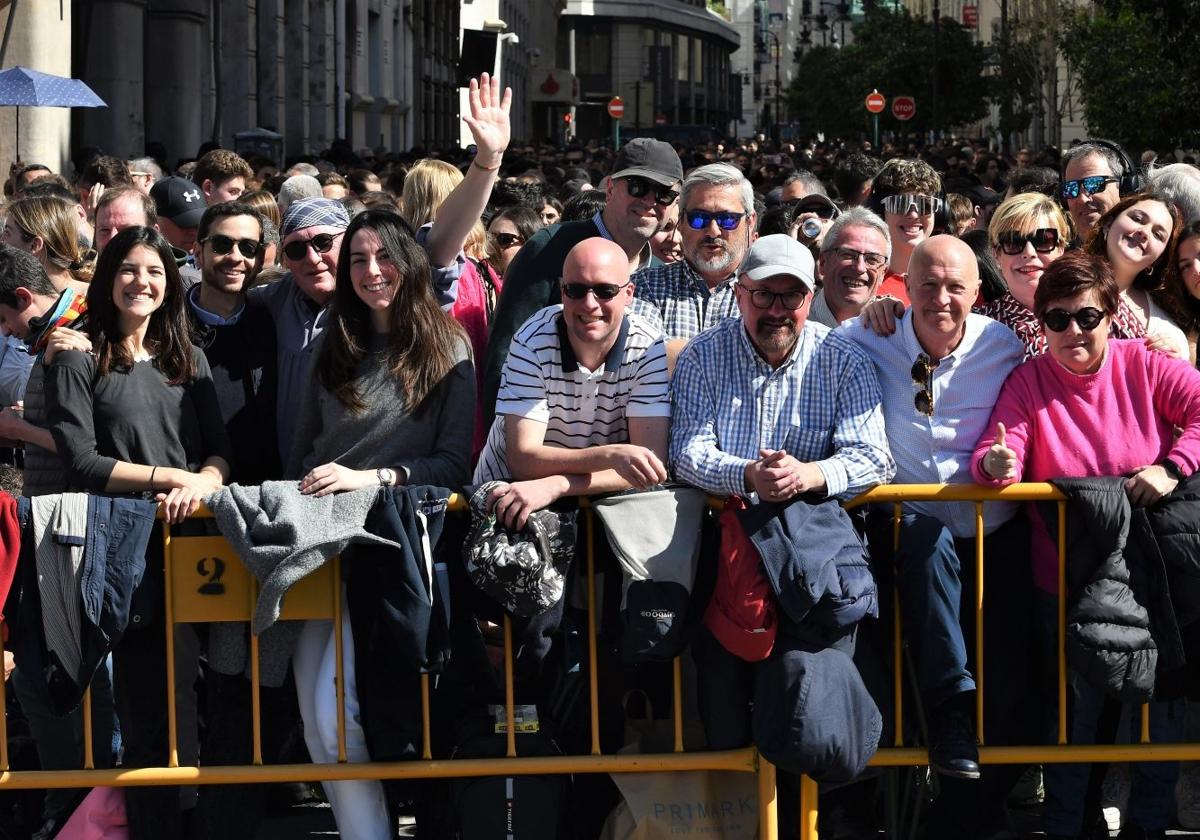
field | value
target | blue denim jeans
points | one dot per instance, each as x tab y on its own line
1153	783
929	580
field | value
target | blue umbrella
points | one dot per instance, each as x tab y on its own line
22	86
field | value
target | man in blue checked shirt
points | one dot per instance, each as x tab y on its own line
716	224
774	405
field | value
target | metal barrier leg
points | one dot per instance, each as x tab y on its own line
808	808
768	804
510	724
593	687
897	655
339	663
172	723
677	701
979	621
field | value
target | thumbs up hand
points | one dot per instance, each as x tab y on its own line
1000	462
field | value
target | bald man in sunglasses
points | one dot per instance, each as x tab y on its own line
583	405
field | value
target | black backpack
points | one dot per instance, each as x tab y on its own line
505	807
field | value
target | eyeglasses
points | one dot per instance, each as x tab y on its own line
1087	318
1043	240
1090	185
700	219
765	299
222	245
602	291
638	187
321	243
849	255
925	205
922	374
507	240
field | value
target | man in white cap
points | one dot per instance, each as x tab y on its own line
771	403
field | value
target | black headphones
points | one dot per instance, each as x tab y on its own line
1132	181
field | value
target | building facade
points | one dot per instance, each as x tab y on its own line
669	61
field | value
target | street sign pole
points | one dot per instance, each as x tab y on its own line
875	103
876	134
616	110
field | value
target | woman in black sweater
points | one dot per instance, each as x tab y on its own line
139	414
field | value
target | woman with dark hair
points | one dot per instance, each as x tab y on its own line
391	401
1181	290
1136	236
139	415
1093	406
508	230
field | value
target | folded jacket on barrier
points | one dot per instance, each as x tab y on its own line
811	711
655	536
1133	582
281	535
112	569
399	611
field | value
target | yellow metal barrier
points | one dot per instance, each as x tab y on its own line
206	582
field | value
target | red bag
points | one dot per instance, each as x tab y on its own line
741	614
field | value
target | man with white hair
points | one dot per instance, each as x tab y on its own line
296	188
1180	182
854	259
717	225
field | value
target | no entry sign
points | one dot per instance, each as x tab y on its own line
616	108
904	107
875	102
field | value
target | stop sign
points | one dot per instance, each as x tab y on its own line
875	102
904	107
616	108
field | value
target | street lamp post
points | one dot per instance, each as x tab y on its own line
778	114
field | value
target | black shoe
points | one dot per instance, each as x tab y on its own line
954	752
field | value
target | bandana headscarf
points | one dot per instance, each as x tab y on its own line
314	212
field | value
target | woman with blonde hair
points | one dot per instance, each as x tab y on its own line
47	228
425	188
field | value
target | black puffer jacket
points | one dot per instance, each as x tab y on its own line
1133	578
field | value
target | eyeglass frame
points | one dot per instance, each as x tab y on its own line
775	296
706	218
851	257
1070	190
238	243
602	291
1099	317
311	242
1005	241
645	185
913	202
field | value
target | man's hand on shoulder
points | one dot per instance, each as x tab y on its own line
777	476
637	465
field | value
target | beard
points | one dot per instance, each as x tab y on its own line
775	336
723	261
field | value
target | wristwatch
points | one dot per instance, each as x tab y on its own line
387	477
1173	470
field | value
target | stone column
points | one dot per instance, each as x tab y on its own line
111	59
295	77
176	55
267	64
40	41
235	96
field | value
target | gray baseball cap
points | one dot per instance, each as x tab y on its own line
771	256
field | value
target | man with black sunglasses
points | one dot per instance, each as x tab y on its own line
643	185
717	225
237	336
941	372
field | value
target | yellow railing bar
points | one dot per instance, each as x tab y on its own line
979	621
740	760
89	761
510	728
897	639
338	664
168	579
593	687
1062	622
808	808
677	702
768	811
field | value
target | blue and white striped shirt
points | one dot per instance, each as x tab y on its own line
937	449
822	405
683	300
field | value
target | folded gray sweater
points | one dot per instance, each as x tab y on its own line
281	535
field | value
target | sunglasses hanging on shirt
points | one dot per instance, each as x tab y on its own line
922	375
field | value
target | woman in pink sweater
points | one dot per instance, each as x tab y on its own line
1092	406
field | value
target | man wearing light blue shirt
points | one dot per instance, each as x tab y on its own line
940	373
772	404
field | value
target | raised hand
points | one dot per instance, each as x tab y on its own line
488	119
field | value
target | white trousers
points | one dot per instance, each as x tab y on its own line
358	806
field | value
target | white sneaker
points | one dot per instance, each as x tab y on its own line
1114	794
1187	796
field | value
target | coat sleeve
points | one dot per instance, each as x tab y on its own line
69	401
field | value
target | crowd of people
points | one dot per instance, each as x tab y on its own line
783	325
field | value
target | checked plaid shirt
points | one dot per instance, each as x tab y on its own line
823	406
682	299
